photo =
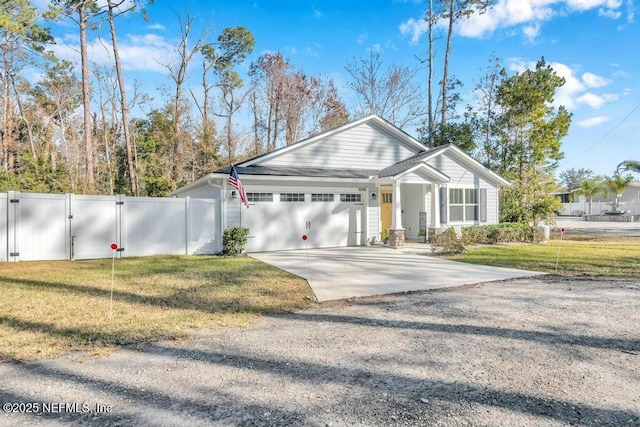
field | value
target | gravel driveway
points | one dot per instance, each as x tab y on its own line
544	351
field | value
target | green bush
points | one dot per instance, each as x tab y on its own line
447	243
498	233
234	240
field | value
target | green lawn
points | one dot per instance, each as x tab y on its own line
613	257
50	308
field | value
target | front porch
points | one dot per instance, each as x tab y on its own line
410	204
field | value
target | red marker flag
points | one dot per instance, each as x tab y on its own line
234	181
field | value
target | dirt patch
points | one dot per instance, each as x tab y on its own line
545	351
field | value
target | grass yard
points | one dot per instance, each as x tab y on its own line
54	307
582	255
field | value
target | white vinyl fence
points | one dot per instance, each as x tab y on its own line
68	226
581	208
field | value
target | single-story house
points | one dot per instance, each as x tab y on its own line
576	204
351	186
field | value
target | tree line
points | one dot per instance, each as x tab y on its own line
72	131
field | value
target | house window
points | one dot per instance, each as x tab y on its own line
322	197
353	197
463	204
259	197
564	198
387	198
292	197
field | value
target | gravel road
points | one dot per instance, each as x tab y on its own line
546	351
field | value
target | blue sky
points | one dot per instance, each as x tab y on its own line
592	43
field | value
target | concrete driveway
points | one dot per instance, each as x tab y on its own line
339	273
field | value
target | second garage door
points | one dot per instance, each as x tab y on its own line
278	220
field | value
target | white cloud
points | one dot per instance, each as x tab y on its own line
593	121
507	13
621	74
515	13
596	101
593	80
137	52
572	87
318	14
610	13
361	38
631	11
415	27
531	31
590	4
312	50
156	26
375	48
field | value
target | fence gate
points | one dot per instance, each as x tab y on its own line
37	226
94	226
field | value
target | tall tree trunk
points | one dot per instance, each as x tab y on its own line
86	100
230	141
205	104
445	73
6	130
430	82
133	182
256	122
24	118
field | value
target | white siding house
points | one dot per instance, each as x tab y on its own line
353	185
576	204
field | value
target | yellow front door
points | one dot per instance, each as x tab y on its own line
385	211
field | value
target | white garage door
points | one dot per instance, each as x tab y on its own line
277	221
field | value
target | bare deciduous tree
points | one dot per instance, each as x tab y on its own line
393	93
178	72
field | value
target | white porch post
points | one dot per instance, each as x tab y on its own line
435	206
396	208
396	233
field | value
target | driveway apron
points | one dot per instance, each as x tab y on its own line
339	273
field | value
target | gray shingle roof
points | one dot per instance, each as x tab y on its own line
301	171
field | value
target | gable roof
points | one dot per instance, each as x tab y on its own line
373	119
422	157
412	161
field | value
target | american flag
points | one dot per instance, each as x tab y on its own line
234	181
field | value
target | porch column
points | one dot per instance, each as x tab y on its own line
396	208
435	206
396	233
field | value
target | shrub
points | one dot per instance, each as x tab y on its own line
498	233
234	240
447	243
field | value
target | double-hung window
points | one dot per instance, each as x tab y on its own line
463	204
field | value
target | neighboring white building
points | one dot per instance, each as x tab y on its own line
577	205
348	186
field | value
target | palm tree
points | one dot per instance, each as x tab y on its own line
629	165
590	188
617	184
